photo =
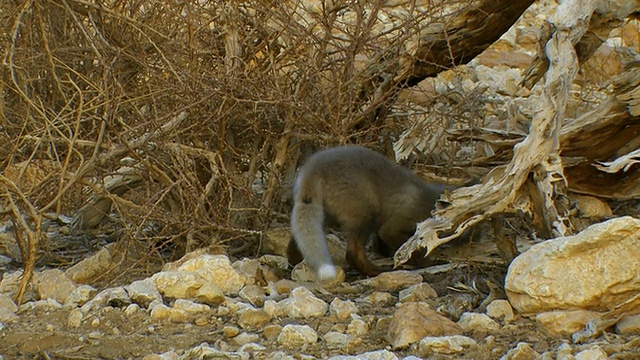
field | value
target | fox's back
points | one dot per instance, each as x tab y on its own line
355	182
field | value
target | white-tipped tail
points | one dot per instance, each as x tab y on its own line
307	220
327	272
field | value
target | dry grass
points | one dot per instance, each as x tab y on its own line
212	103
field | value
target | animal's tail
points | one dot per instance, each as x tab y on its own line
307	220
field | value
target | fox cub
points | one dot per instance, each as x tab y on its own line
362	193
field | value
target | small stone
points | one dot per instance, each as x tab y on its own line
7	316
161	313
594	353
336	340
190	307
254	294
378	298
285	286
250	349
563	323
132	309
371	355
216	269
75	318
629	325
179	284
6	302
500	310
394	280
357	328
271	332
201	321
272	308
53	284
96	265
47	305
342	309
80	296
297	336
414	320
445	345
253	319
230	331
118	297
417	292
522	351
209	294
303	304
477	322
246	338
143	292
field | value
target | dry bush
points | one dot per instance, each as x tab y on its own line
206	106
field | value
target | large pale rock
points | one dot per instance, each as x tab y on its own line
217	270
96	265
303	304
448	345
143	292
415	320
595	270
563	323
297	336
54	284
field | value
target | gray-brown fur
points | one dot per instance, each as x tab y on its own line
362	193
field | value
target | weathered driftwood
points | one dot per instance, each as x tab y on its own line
536	158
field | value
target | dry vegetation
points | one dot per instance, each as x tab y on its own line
186	119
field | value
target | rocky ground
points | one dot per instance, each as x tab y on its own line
205	306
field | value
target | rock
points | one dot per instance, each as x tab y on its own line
117	297
6	302
53	284
336	339
190	307
285	286
357	328
230	331
302	304
447	345
394	280
593	270
272	308
217	270
47	305
371	355
7	316
11	282
378	298
246	338
500	310
417	292
562	323
297	336
143	292
75	318
342	309
254	294
627	325
253	319
415	320
87	270
304	273
477	322
594	353
179	284
522	351
271	332
162	313
209	294
132	309
80	296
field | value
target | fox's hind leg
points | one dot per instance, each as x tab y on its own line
357	255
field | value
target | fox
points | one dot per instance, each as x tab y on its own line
361	193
